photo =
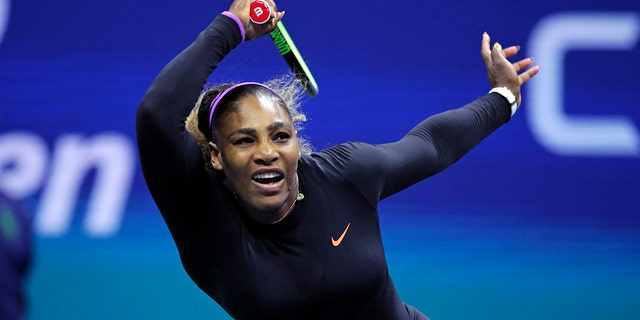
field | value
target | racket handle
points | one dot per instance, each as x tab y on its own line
260	12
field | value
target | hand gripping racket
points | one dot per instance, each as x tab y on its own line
260	14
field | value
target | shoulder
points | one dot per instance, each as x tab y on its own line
334	155
339	159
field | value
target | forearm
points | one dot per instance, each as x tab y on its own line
169	156
175	90
441	140
382	170
452	134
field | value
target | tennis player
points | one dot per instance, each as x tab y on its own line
267	229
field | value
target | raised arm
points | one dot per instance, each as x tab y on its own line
441	140
166	148
169	156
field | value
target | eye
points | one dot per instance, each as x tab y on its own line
281	137
243	141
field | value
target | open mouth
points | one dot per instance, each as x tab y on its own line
267	177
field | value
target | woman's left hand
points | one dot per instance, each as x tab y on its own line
501	72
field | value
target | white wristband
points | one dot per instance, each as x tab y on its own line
507	94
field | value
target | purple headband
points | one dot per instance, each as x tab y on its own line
215	101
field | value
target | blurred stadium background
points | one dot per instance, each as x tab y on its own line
542	220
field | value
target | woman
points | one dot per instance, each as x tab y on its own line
272	232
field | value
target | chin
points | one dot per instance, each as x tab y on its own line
271	206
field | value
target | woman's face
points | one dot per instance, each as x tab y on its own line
259	152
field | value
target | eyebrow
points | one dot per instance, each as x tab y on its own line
247	131
252	132
276	125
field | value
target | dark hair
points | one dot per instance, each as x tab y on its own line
284	93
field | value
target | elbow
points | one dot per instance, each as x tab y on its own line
147	122
144	115
148	112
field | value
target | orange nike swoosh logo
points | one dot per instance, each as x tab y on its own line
336	243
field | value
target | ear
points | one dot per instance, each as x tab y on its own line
216	160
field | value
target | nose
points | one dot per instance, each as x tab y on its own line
265	154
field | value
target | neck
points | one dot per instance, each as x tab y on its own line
297	196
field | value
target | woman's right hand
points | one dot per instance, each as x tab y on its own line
241	9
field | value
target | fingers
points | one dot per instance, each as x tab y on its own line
273	7
273	23
485	50
276	18
528	74
510	51
522	64
492	55
263	24
497	53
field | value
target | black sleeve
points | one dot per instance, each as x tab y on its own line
437	142
171	161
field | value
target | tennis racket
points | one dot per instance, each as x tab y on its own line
261	13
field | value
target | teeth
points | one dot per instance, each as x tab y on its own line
267	175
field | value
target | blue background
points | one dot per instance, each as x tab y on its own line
512	231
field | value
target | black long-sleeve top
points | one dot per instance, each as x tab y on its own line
291	269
